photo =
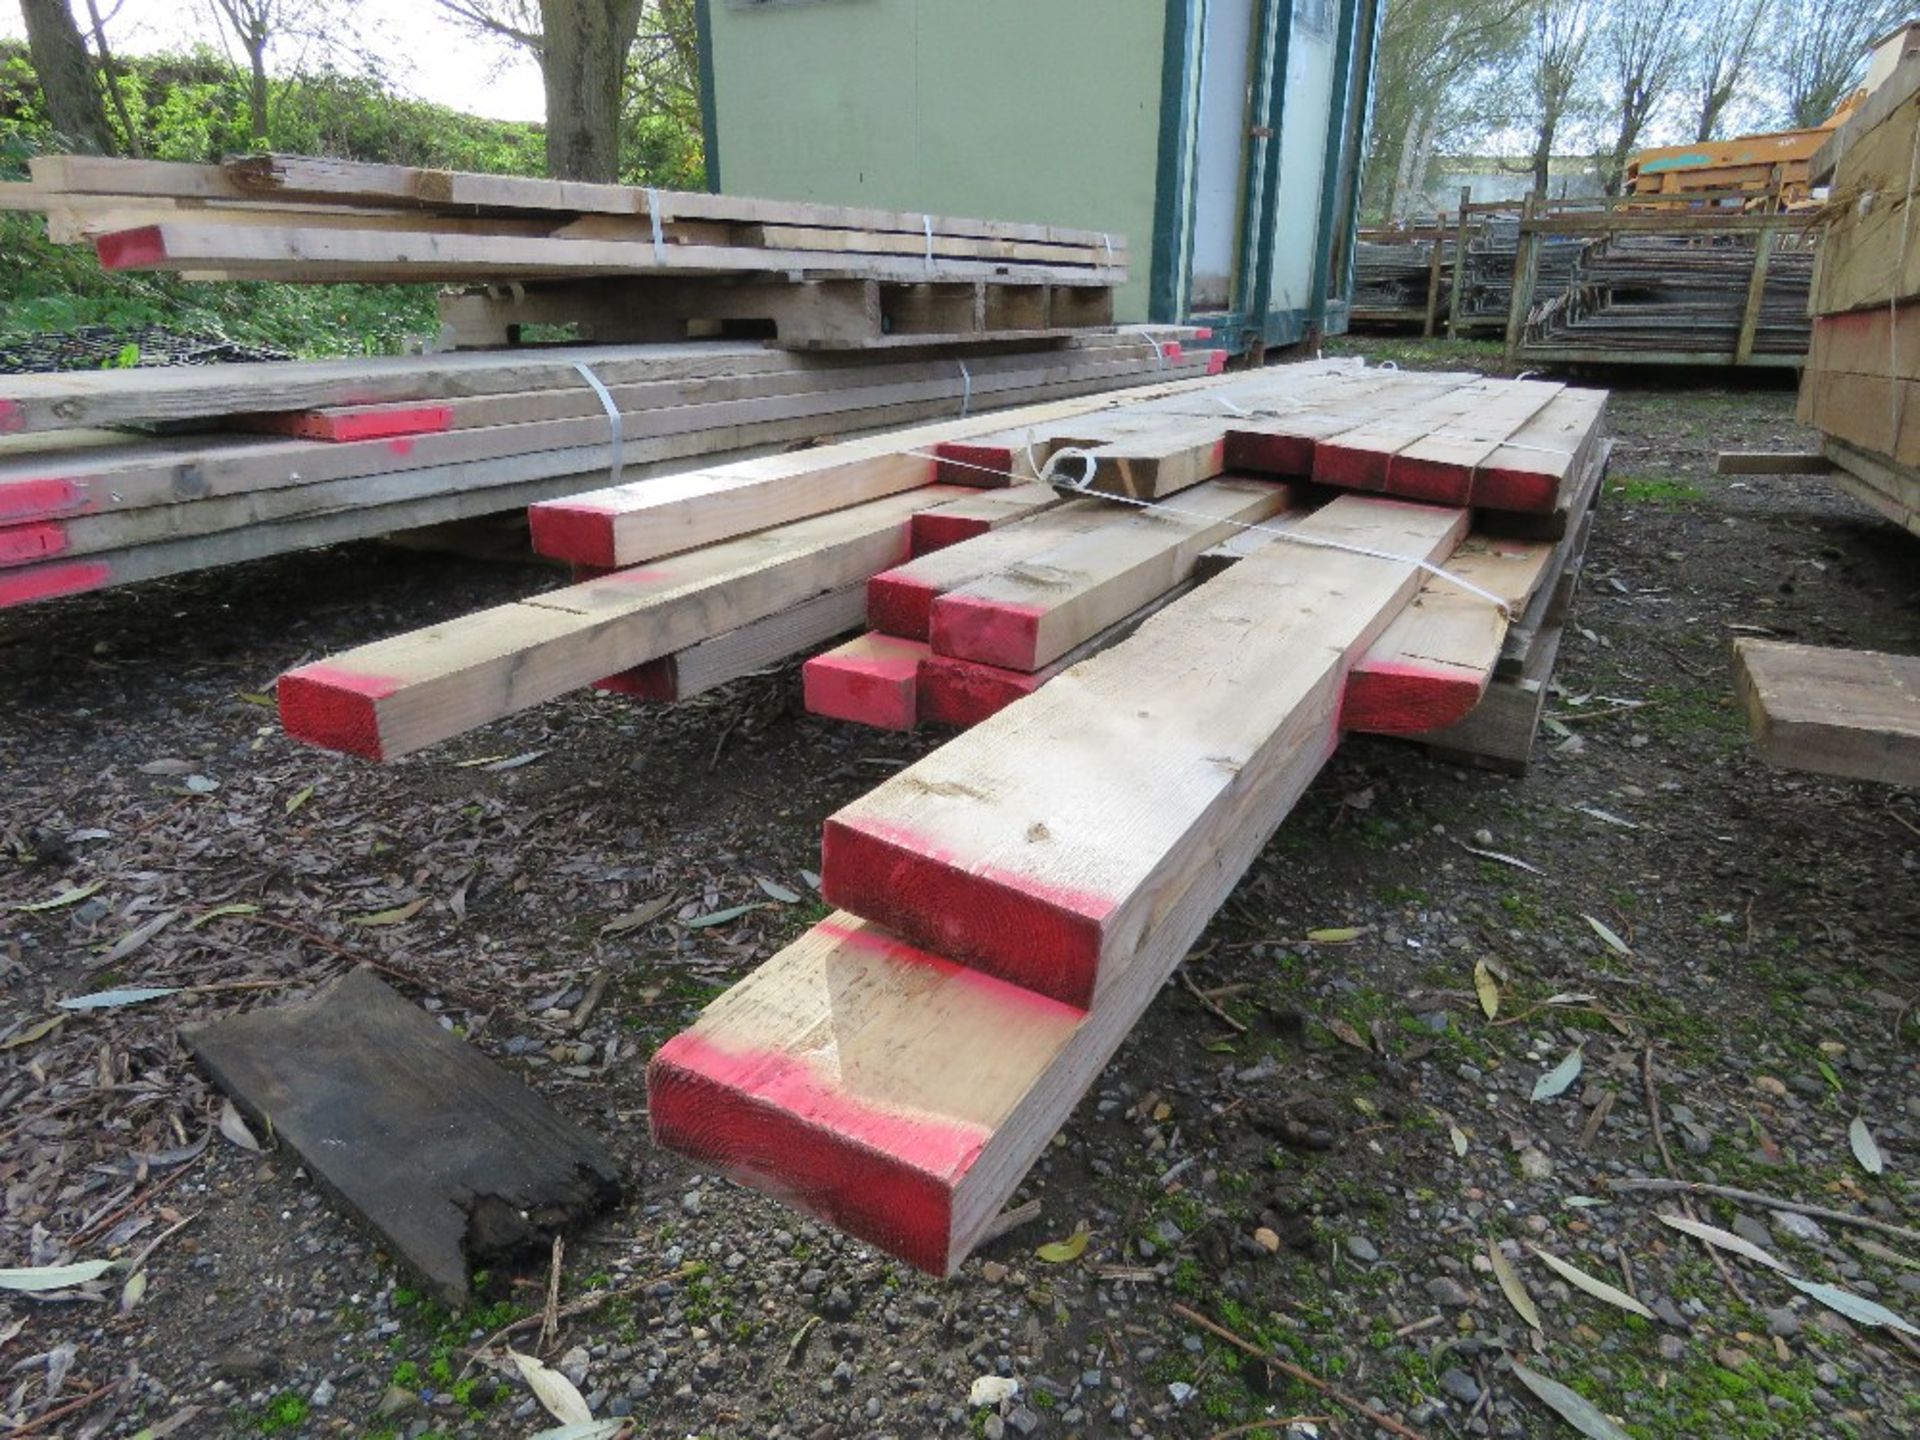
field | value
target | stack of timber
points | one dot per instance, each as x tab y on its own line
1485	291
261	459
1011	904
1401	276
612	262
1859	385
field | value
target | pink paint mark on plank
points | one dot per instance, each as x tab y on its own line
933	531
1532	492
1173	351
334	708
963	692
131	249
1216	362
1351	467
573	530
870	681
1204	332
992	632
1268	453
768	1119
30	544
400	446
42	500
1046	938
1435	481
984	467
13	419
51	581
345	427
656	680
1396	697
900	604
874	940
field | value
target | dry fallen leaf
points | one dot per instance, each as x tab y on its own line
1346	1034
1865	1150
553	1390
1338	934
1607	933
235	1128
65	898
1556	1080
1487	988
1599	1289
1511	1285
1726	1240
397	916
1570	1405
1064	1252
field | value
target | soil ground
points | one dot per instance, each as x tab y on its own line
1360	1108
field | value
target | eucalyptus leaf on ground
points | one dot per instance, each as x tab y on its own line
1459	1138
1856	1308
1599	1289
299	798
36	1278
1726	1240
778	891
113	999
634	919
134	939
553	1390
1487	988
1556	1080
220	912
133	1292
1607	933
1571	1406
1512	1286
720	917
399	915
235	1127
1338	934
59	902
1865	1150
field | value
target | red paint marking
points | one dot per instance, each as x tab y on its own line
1204	332
1045	938
42	500
1391	697
28	544
991	632
875	941
569	530
872	681
640	575
48	582
1351	467
963	693
351	426
768	1119
130	249
1436	481
1216	361
1529	491
983	467
933	531
401	446
899	604
1269	453
656	680
1173	352
13	419
335	709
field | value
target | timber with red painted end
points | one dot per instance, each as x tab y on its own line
49	499
867	1082
31	544
334	708
870	680
138	249
964	692
50	582
1393	696
383	423
580	531
959	520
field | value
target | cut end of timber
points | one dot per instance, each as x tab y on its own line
657	681
29	544
1269	454
1383	698
52	581
354	425
13	419
334	709
986	631
41	500
963	692
771	1121
569	530
1429	480
870	680
933	531
898	604
132	249
1044	939
984	467
1350	467
1527	491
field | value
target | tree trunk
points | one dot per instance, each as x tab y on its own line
257	93
1416	197
65	72
127	128
1396	197
583	63
1543	153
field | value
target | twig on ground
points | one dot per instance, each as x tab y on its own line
1666	1158
1008	1220
1293	1371
591	1301
1772	1202
127	1209
1425	1323
550	1317
1597	1119
1282	1422
1211	1006
73	1406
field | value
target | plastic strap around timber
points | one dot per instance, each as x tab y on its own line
659	232
614	421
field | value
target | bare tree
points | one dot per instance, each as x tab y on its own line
110	77
1725	39
1643	45
1818	51
65	72
582	47
253	25
1557	55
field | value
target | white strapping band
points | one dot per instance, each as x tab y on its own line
659	234
613	418
927	220
966	393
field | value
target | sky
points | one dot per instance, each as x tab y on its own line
424	54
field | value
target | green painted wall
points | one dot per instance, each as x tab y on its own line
853	102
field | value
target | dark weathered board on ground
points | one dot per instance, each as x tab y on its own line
449	1158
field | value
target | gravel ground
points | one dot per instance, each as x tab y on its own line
1323	1153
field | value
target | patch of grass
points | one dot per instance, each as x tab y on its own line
285	1411
1663	491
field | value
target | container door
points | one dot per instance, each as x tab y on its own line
1311	66
1226	75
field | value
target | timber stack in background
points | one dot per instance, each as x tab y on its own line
1863	371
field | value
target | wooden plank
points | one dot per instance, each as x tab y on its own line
1894	92
1771	462
1854	713
1866	257
1890	488
1882	341
1028	614
395	696
1869	412
1284	442
1756	293
447	1158
1534	470
387	422
743	651
870	680
1047	845
987	510
298	254
1445	439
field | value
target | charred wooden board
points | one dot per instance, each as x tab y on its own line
453	1162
